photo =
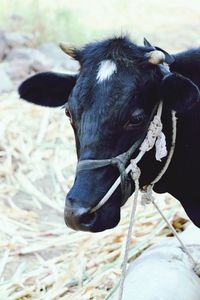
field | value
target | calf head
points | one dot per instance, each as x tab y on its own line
109	103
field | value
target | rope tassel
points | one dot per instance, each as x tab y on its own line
153	133
161	149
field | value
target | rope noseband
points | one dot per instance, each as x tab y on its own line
143	144
120	162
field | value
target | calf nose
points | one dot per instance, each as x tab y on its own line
78	218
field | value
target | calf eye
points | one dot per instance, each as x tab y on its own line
134	122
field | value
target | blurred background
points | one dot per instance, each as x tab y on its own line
40	258
80	22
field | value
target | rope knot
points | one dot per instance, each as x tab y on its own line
135	170
147	195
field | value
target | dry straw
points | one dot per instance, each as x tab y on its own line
40	258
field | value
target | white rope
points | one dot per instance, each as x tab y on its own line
135	175
148	195
148	198
154	131
153	134
171	152
174	233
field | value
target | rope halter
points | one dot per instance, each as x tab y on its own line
144	144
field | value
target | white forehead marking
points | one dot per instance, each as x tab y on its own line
106	69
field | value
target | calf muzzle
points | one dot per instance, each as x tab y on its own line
79	218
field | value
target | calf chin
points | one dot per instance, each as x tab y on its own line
106	219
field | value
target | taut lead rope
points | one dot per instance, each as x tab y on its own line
147	198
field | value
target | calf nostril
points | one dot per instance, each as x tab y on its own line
88	219
69	201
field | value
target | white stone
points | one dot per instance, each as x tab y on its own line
164	271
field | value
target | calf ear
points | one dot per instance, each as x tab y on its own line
47	89
179	93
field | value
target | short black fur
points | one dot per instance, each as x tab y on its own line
109	116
